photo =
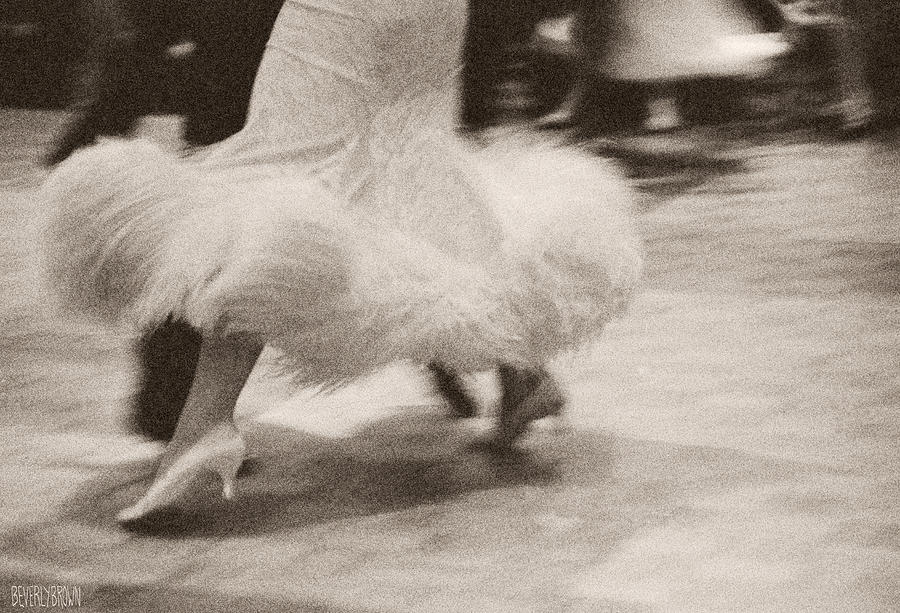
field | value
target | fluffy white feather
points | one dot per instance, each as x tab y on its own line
510	253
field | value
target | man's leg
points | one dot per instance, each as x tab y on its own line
167	360
451	388
106	101
529	394
231	37
604	106
495	31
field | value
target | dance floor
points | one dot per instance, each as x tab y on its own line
732	443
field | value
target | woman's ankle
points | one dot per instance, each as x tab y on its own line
184	441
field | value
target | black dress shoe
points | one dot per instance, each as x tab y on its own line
528	395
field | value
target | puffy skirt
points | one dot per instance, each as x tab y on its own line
470	256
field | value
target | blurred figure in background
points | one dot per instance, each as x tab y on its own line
826	28
672	64
561	40
127	42
660	45
583	37
625	59
498	35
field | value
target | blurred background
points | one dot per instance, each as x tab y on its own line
44	44
43	49
731	443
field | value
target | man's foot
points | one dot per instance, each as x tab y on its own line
528	395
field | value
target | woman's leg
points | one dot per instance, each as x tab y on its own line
205	439
223	367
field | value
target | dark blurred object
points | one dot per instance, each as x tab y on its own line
118	77
568	90
168	360
497	51
828	41
496	30
37	42
843	74
131	68
49	51
230	38
879	21
510	71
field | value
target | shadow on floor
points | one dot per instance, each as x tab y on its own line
413	460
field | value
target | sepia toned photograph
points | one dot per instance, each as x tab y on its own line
450	306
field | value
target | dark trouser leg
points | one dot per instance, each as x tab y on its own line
852	94
603	106
450	387
231	37
167	361
106	102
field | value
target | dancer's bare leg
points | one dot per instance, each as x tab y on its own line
223	368
205	439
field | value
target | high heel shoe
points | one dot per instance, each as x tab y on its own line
528	395
220	451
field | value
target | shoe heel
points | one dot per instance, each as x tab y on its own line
227	468
229	477
228	484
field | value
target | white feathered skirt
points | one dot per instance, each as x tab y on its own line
466	255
